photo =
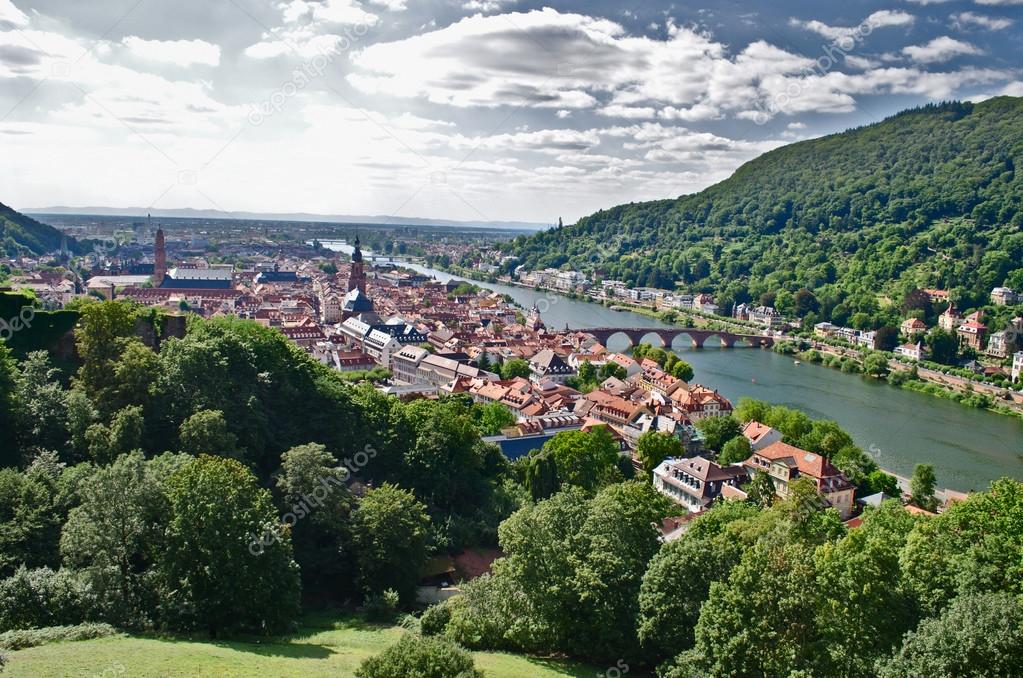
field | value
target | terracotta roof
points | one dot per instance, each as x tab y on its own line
808	463
754	431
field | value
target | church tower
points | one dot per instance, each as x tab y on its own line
357	278
159	259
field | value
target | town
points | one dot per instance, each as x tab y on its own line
414	337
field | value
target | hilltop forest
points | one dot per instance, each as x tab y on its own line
929	198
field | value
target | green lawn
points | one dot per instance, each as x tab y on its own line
325	646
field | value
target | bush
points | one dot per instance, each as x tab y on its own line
42	597
19	640
420	657
435	619
383	608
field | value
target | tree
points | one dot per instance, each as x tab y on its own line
921	487
865	608
943	346
421	657
493	417
887	338
760	621
760	490
316	503
115	536
516	367
618	539
124	435
572	571
879	481
206	432
669	604
974	546
653	447
100	338
716	431
541	475
42	404
390	530
680	369
582	456
978	635
736	450
805	302
876	365
30	518
10	454
444	458
587	372
917	300
657	354
483	361
612	369
136	370
228	564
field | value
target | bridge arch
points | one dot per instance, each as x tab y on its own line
668	336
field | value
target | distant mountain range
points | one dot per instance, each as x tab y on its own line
929	198
189	213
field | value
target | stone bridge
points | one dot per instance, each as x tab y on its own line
667	336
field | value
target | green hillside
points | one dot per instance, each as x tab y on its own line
927	198
20	234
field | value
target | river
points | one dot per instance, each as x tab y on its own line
899	428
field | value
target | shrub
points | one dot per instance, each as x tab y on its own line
420	657
435	619
42	597
383	608
19	640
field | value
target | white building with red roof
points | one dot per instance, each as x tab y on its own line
760	435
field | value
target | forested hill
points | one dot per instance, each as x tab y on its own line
20	234
929	197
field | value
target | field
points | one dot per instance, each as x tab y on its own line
325	646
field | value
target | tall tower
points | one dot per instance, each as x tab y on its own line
357	278
159	259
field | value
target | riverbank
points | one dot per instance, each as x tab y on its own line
971	394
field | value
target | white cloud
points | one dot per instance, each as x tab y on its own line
390	5
328	12
880	19
860	63
183	52
632	112
314	28
546	59
970	19
999	3
939	50
486	5
11	15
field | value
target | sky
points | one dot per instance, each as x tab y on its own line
474	110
